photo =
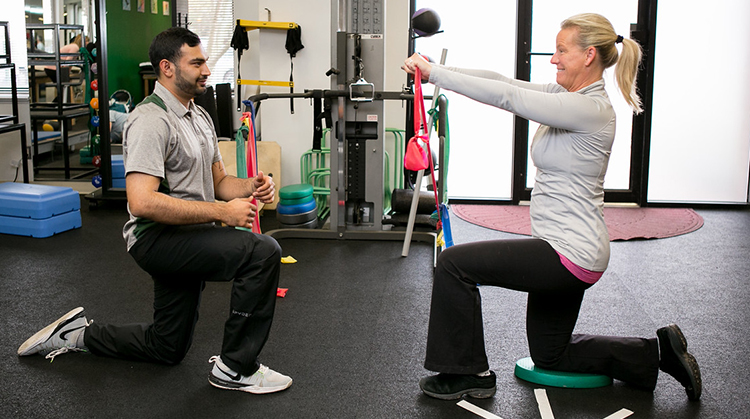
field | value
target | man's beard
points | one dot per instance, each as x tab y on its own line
192	89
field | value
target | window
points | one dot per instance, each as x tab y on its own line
213	21
486	40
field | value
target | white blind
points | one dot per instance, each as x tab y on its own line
13	13
213	21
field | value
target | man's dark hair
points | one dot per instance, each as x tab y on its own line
166	46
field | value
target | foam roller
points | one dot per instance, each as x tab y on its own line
401	201
422	220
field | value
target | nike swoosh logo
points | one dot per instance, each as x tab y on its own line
235	377
65	333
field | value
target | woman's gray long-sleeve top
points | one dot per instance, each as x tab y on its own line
570	149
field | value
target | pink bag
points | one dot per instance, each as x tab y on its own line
415	157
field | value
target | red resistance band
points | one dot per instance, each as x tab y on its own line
420	131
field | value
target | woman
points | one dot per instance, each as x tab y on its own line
73	47
569	248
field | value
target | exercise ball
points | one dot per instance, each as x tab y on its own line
51	125
425	22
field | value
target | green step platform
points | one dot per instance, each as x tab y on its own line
527	371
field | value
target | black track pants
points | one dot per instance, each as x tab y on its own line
455	342
181	259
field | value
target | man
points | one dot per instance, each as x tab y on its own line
173	173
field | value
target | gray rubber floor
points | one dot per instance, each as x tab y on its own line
352	328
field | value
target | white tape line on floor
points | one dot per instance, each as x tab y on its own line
478	410
544	407
620	414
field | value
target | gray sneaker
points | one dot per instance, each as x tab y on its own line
59	337
263	381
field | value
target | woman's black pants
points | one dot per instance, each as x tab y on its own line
181	259
455	342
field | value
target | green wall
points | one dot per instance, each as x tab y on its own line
129	34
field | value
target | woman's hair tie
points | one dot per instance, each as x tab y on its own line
619	39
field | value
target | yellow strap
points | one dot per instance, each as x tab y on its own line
266	83
250	25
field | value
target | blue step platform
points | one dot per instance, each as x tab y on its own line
118	171
40	228
118	167
38	210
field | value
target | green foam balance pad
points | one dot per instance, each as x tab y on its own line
296	201
296	191
527	371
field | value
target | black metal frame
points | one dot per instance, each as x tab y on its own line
10	123
63	112
645	33
519	191
106	192
409	176
58	60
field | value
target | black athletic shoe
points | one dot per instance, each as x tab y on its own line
454	386
677	362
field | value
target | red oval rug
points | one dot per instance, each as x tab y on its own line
622	223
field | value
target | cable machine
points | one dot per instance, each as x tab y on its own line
357	126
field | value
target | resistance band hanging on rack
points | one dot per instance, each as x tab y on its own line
415	157
444	132
247	157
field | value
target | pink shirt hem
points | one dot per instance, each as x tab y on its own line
589	277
